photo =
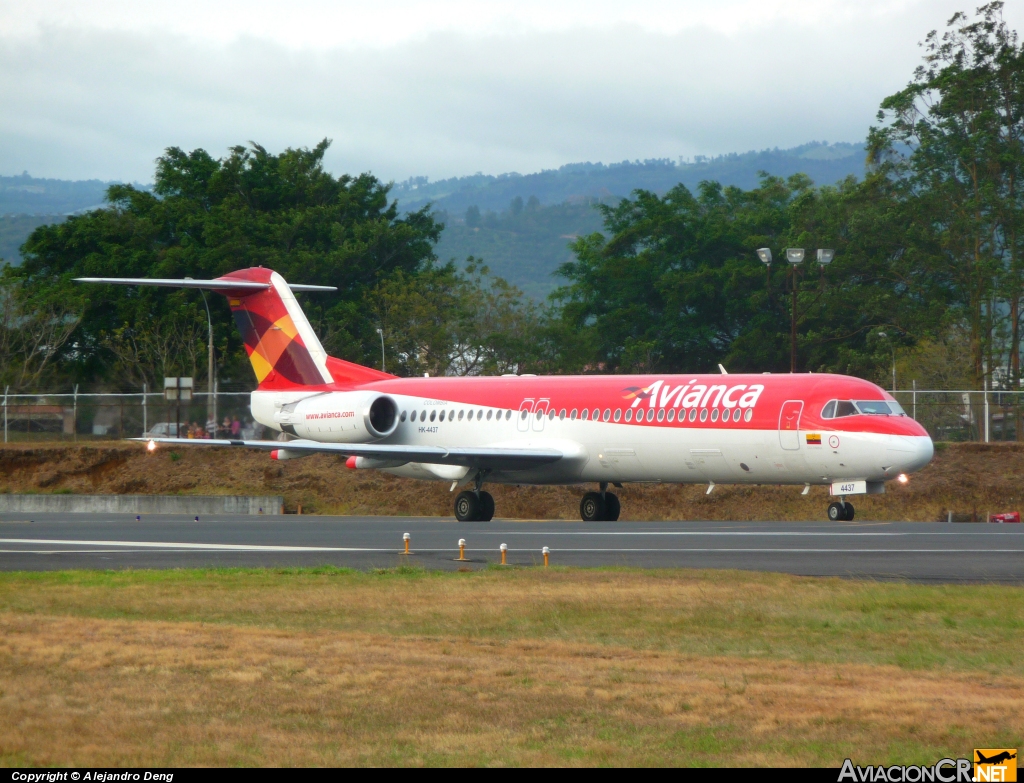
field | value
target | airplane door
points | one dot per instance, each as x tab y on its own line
539	414
525	409
789	424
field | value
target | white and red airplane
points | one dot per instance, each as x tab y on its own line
831	430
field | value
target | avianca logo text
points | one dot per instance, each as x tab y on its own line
694	395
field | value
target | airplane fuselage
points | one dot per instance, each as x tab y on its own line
723	429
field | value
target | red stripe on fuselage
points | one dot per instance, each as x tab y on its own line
619	392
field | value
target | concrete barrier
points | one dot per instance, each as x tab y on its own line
143	504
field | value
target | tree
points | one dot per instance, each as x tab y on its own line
207	217
953	142
34	333
444	322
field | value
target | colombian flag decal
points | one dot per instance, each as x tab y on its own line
813	439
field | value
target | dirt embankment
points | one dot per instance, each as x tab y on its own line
969	479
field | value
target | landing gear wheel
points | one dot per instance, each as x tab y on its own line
467	507
849	512
611	507
486	507
836	512
592	507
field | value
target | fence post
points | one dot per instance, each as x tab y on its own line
984	386
913	406
5	412
145	425
74	416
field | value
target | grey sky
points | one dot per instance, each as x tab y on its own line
99	89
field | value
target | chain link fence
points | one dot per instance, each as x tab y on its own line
966	415
948	415
76	417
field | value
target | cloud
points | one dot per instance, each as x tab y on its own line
85	99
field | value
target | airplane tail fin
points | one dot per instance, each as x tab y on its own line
283	349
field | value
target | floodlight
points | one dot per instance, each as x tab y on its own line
795	255
825	256
765	254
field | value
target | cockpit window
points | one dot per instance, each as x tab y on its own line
845	408
835	409
874	407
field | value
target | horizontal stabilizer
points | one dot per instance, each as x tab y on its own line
210	285
484	458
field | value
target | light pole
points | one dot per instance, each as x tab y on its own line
381	333
765	254
211	386
795	256
893	349
825	257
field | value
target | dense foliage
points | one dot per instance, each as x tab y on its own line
927	271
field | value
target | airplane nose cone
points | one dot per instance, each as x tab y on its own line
908	454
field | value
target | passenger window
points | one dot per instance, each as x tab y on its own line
736	414
829	411
607	413
661	414
618	414
584	415
403	416
561	414
748	414
672	415
551	415
479	414
693	414
461	415
489	415
508	415
714	414
650	414
523	414
703	414
629	414
597	414
572	416
433	415
423	415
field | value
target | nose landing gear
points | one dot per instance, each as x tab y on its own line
841	511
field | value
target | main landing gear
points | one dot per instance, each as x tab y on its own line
600	506
474	506
840	512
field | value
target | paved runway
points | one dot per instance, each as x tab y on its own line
916	551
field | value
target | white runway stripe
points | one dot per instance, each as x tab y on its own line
186	546
127	547
745	534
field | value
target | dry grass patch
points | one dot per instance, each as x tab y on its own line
501	667
114	692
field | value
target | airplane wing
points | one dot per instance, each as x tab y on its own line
493	458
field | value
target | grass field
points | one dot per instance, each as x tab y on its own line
502	667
